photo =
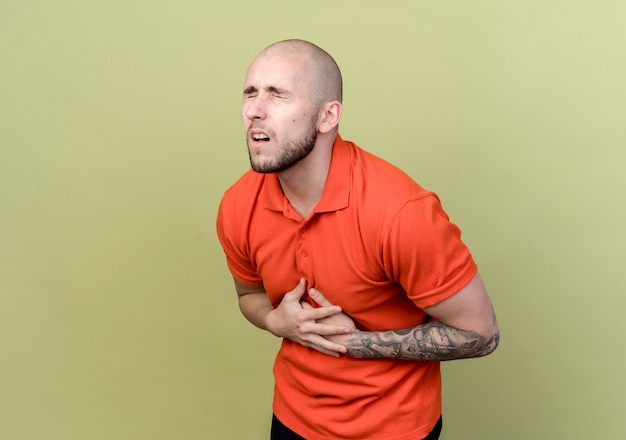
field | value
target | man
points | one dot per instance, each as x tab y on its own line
347	259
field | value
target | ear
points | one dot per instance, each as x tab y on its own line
329	116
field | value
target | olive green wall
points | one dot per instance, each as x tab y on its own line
119	131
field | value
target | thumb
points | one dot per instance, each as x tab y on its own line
298	292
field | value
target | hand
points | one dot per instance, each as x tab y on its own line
305	325
338	319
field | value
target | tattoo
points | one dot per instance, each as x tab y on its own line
429	342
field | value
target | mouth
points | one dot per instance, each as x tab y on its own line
258	137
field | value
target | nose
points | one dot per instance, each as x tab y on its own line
253	108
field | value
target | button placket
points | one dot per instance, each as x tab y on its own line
303	251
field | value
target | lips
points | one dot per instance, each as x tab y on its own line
258	136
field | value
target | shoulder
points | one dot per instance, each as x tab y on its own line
244	191
239	201
247	181
384	182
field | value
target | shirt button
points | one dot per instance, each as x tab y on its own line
303	230
304	253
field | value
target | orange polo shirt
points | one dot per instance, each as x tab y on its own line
380	246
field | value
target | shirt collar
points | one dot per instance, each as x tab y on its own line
336	192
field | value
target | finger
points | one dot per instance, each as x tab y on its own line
298	292
325	346
319	298
328	352
316	313
329	330
311	329
323	350
305	305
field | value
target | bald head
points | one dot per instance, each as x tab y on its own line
321	73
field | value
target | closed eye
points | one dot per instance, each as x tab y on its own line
249	92
278	92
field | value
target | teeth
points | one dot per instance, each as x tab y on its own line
260	137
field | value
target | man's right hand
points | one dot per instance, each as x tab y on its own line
298	323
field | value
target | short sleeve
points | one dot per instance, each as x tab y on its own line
424	253
231	235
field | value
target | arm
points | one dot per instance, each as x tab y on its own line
290	319
466	327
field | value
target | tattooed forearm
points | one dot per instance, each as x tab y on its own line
429	342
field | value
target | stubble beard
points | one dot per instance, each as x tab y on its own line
292	151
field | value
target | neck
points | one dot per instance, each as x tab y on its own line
304	183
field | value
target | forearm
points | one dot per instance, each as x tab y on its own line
433	341
256	307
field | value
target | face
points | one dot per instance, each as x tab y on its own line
279	118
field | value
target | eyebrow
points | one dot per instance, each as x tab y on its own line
248	90
277	90
272	89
